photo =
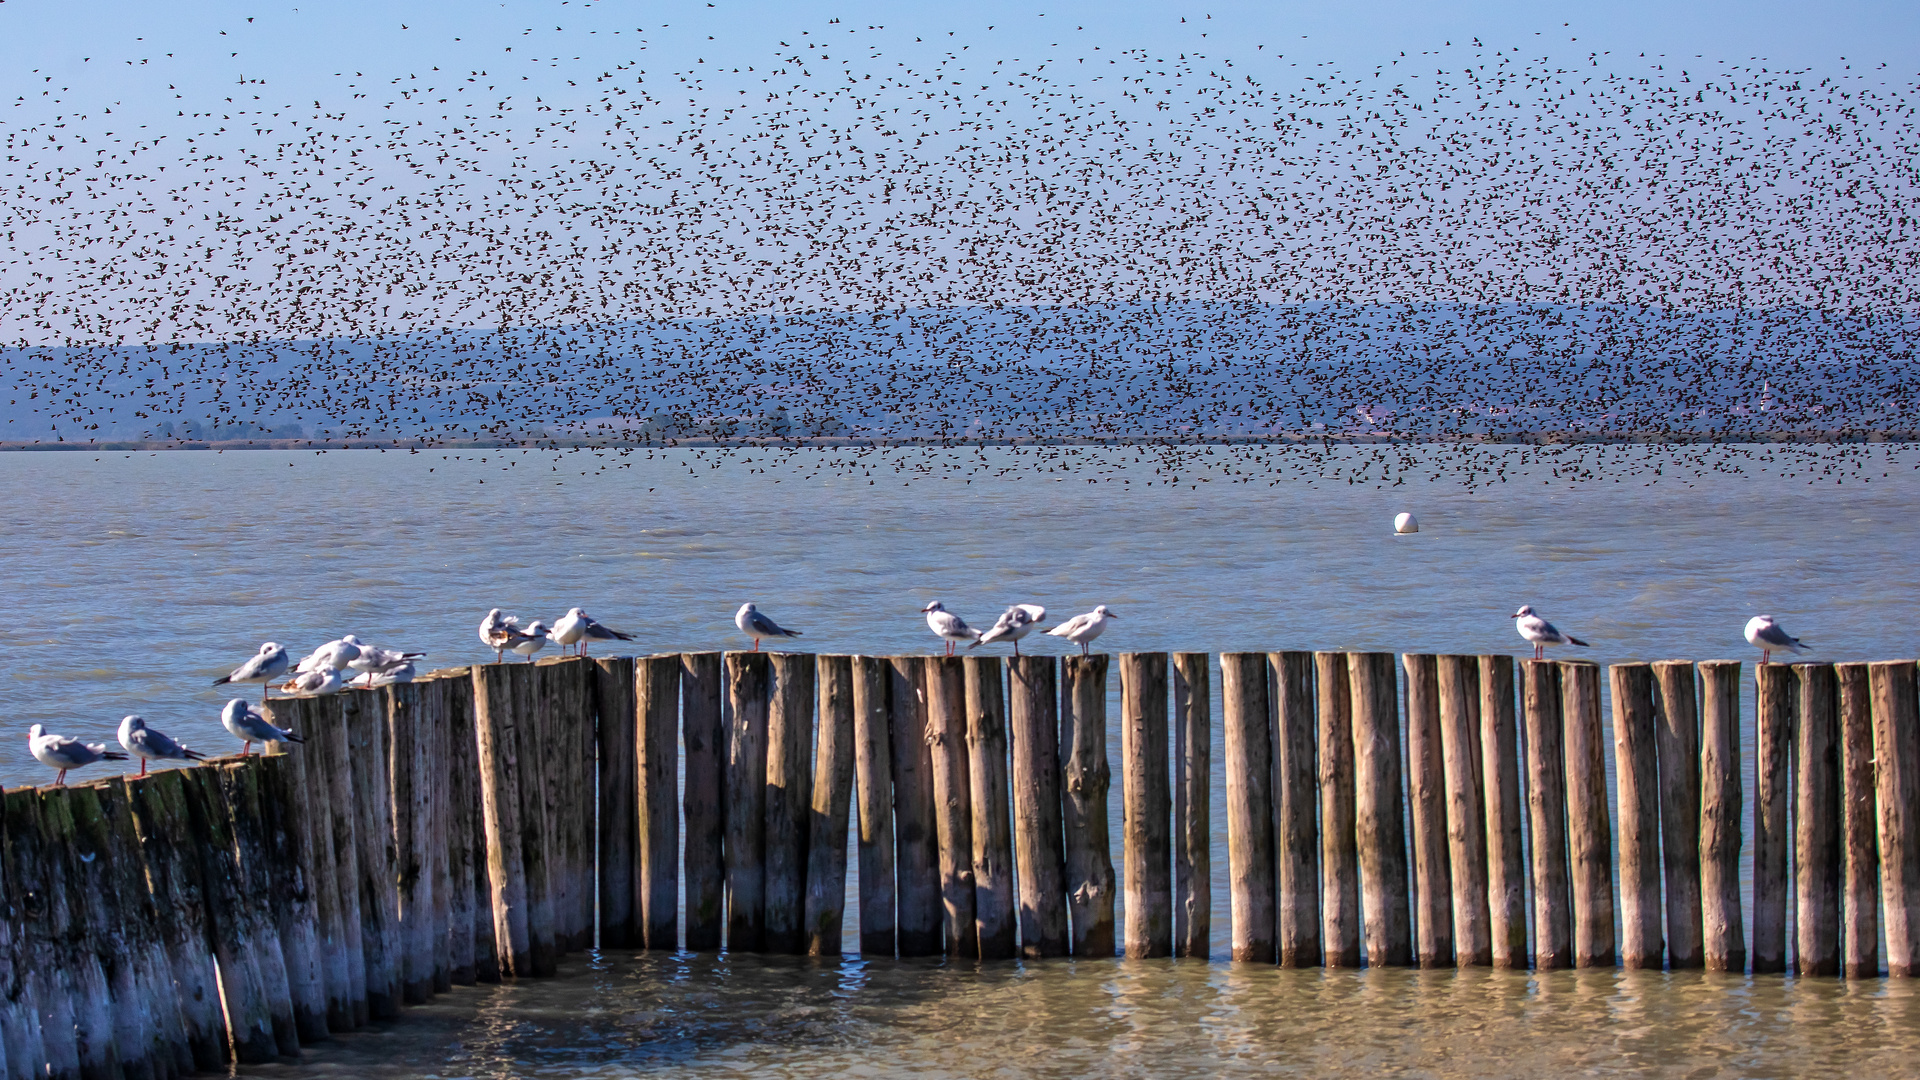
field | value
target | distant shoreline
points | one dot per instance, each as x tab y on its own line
1329	440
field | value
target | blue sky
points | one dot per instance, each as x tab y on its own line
92	54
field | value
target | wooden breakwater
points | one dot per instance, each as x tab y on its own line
1380	809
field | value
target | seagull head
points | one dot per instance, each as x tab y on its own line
748	607
234	711
36	731
1765	619
133	723
935	606
269	647
351	640
576	613
1103	609
1525	610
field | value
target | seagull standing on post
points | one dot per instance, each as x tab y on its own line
1766	635
758	626
263	667
949	626
60	752
1082	629
1541	632
250	727
150	744
578	627
1015	623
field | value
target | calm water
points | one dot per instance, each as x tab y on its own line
134	581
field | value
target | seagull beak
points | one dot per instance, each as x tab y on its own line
1513	616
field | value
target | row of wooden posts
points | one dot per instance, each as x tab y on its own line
483	822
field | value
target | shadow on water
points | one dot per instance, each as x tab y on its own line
703	1015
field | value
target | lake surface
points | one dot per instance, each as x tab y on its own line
135	580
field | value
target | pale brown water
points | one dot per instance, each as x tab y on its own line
707	1016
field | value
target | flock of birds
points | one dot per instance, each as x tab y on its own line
319	672
865	239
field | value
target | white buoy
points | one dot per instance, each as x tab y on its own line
1406	523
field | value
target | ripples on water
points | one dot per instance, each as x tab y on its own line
763	1016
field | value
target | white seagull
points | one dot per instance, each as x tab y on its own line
532	640
1082	629
497	631
577	627
263	667
1541	632
1765	634
758	626
335	654
1015	623
374	660
949	626
400	673
250	727
60	752
151	744
317	683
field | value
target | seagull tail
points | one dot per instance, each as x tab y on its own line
113	755
976	643
791	633
223	680
291	737
1571	640
413	656
192	755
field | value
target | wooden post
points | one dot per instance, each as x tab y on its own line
1777	698
1339	858
236	783
437	704
1467	843
22	1050
1427	788
1146	805
373	828
873	785
332	752
749	692
1817	819
290	898
704	738
1296	834
826	899
470	915
789	796
250	1013
917	904
1379	810
1896	758
91	996
1588	828
1637	771
497	744
1039	859
995	919
1085	778
413	777
617	734
1723	942
311	791
953	801
172	864
1249	764
1677	723
1547	814
1500	775
1859	823
143	921
1192	814
119	929
655	902
33	880
565	707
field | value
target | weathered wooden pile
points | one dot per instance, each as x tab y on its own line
483	822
